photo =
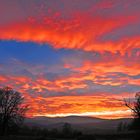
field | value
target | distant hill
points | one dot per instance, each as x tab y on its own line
85	124
69	119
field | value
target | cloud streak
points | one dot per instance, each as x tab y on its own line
77	29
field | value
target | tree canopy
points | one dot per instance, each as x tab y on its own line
12	109
134	106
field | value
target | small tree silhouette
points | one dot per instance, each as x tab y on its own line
135	108
67	128
12	109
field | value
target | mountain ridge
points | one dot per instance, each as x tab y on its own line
82	123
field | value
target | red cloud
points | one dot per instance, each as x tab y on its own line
80	30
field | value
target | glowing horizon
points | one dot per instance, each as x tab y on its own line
104	115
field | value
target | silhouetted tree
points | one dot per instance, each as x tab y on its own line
67	128
135	108
12	109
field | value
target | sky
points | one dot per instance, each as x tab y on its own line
71	57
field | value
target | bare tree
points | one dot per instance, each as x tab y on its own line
134	106
12	109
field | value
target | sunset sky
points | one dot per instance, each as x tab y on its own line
71	57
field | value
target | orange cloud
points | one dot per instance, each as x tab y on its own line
97	106
112	65
79	31
99	73
3	78
42	84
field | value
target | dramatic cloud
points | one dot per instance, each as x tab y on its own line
99	106
84	90
71	57
87	25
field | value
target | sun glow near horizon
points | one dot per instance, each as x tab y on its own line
103	115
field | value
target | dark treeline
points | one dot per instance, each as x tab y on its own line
65	132
38	133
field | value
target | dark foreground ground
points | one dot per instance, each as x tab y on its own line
81	128
117	136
